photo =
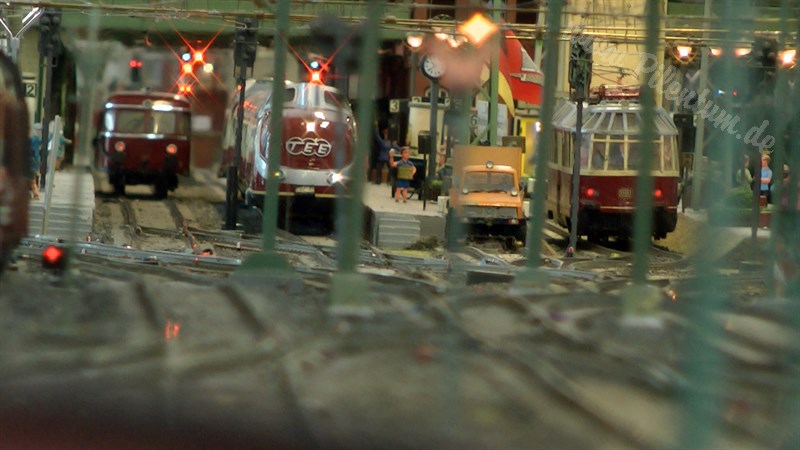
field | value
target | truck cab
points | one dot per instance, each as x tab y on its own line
485	194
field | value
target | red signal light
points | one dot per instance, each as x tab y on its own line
53	257
134	64
316	76
199	56
187	68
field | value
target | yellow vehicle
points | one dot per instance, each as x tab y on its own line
485	194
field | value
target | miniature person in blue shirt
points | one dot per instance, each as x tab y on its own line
405	173
36	144
766	177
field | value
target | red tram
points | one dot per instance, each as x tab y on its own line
15	160
318	143
145	138
609	163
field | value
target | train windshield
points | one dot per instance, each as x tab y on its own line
141	121
622	152
489	181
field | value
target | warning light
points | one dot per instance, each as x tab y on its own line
316	76
53	258
185	89
187	68
135	64
199	57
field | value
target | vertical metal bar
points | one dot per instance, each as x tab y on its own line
494	81
779	155
347	286
270	217
532	276
432	150
643	214
576	179
697	162
702	360
232	188
268	259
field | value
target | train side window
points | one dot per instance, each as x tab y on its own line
290	93
616	160
669	156
598	155
108	120
633	156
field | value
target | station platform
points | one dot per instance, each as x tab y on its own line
68	211
397	224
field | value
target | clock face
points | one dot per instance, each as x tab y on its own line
432	67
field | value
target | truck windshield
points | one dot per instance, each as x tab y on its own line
489	181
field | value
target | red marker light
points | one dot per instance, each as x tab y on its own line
592	192
134	64
172	149
53	258
659	193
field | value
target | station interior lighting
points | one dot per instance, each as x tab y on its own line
186	57
684	51
316	76
742	51
477	29
208	67
415	39
716	51
788	57
315	64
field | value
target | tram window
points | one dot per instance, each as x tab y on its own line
129	121
164	122
108	120
598	155
616	160
616	123
633	156
669	149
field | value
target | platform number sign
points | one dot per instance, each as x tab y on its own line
30	88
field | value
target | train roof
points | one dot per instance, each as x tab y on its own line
611	117
137	98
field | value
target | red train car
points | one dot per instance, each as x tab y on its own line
318	142
610	152
145	138
15	160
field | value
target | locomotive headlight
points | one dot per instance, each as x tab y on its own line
335	177
172	149
311	127
119	146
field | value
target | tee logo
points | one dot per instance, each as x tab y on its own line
308	147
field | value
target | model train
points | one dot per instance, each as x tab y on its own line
15	160
610	151
144	138
316	155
